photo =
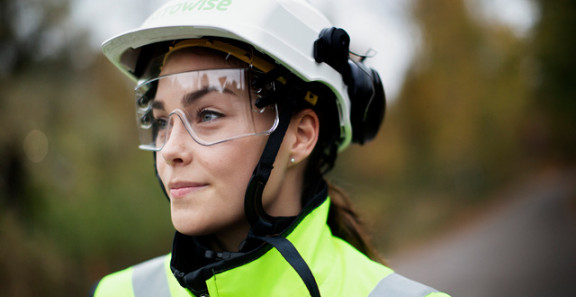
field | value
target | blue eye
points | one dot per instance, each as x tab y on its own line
207	115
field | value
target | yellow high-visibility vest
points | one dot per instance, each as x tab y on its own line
339	270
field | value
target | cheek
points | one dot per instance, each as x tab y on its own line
228	166
237	162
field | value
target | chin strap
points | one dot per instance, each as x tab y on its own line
260	221
264	227
293	257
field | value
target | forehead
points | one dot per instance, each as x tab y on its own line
190	59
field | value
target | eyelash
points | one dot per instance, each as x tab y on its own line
202	113
161	122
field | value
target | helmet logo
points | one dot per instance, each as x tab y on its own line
194	5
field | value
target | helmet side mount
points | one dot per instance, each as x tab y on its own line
365	89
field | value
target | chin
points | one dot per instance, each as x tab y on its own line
185	224
190	229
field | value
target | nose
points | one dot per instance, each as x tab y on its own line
177	149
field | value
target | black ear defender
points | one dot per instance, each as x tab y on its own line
365	89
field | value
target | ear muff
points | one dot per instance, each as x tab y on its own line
365	89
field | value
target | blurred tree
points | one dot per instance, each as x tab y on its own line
30	30
550	131
76	201
462	101
28	103
29	33
453	134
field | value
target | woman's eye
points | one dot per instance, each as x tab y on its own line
207	115
160	123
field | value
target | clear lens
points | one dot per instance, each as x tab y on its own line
212	105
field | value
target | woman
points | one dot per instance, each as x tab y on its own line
245	105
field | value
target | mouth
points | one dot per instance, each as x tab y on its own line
180	190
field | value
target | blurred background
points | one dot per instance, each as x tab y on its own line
470	186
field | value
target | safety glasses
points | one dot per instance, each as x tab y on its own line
212	106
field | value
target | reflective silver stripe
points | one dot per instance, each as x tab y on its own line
395	285
149	279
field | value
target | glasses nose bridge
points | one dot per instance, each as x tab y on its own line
177	127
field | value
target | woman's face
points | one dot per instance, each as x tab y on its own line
206	184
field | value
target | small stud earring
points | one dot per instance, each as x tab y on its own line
292	160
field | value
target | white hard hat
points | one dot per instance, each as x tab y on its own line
284	30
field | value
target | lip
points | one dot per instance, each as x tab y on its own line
182	189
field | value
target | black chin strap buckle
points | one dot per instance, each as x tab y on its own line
260	221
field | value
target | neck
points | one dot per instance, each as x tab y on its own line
231	239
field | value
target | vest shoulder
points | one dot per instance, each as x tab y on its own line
115	284
120	283
345	271
397	285
358	263
374	279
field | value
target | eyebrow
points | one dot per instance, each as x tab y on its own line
189	98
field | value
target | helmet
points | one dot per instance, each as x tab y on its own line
259	23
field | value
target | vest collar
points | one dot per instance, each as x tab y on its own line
196	269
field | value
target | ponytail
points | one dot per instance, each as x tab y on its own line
345	223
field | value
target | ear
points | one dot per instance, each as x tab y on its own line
306	127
